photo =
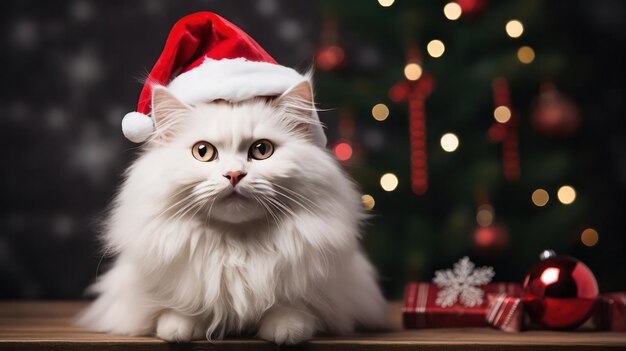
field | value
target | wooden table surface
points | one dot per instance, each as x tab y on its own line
48	326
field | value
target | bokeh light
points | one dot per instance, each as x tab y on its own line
343	151
380	112
485	215
526	54
412	71
330	57
589	237
452	11
386	3
566	194
514	28
389	182
435	48
540	197
368	201
449	142
502	114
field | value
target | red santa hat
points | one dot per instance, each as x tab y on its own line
208	58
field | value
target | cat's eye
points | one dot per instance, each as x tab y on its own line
203	151
261	149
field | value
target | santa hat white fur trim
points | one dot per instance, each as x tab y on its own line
232	80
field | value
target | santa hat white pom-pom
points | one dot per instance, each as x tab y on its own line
137	127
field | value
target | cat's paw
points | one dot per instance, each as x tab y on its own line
173	326
284	325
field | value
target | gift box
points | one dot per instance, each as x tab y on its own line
423	309
505	312
610	312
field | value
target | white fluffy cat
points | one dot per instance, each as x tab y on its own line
232	221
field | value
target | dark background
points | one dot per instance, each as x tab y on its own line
72	69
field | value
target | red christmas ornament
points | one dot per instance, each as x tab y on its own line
560	291
490	239
330	57
399	91
472	8
554	115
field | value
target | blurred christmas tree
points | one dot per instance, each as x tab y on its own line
500	170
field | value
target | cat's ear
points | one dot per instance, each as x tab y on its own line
167	111
298	107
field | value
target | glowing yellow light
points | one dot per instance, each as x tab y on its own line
449	142
389	182
540	197
435	48
502	114
368	201
514	28
380	112
412	71
452	11
566	194
526	54
386	3
589	237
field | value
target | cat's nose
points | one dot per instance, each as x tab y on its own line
234	177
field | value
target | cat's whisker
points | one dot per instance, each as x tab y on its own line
265	212
208	216
294	201
192	200
300	196
184	189
270	211
282	207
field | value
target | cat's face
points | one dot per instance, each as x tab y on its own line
228	162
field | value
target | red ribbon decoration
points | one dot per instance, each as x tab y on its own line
415	92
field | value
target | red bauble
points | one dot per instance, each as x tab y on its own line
330	57
560	292
472	8
490	239
554	115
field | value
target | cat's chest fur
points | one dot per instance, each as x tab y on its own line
224	273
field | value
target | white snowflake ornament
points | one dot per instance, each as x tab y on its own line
462	283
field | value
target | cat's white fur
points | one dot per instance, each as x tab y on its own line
195	261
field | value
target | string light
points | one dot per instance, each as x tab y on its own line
526	54
389	182
514	28
368	201
540	197
380	112
386	3
449	142
343	151
566	194
589	237
412	71
435	48
452	11
502	114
